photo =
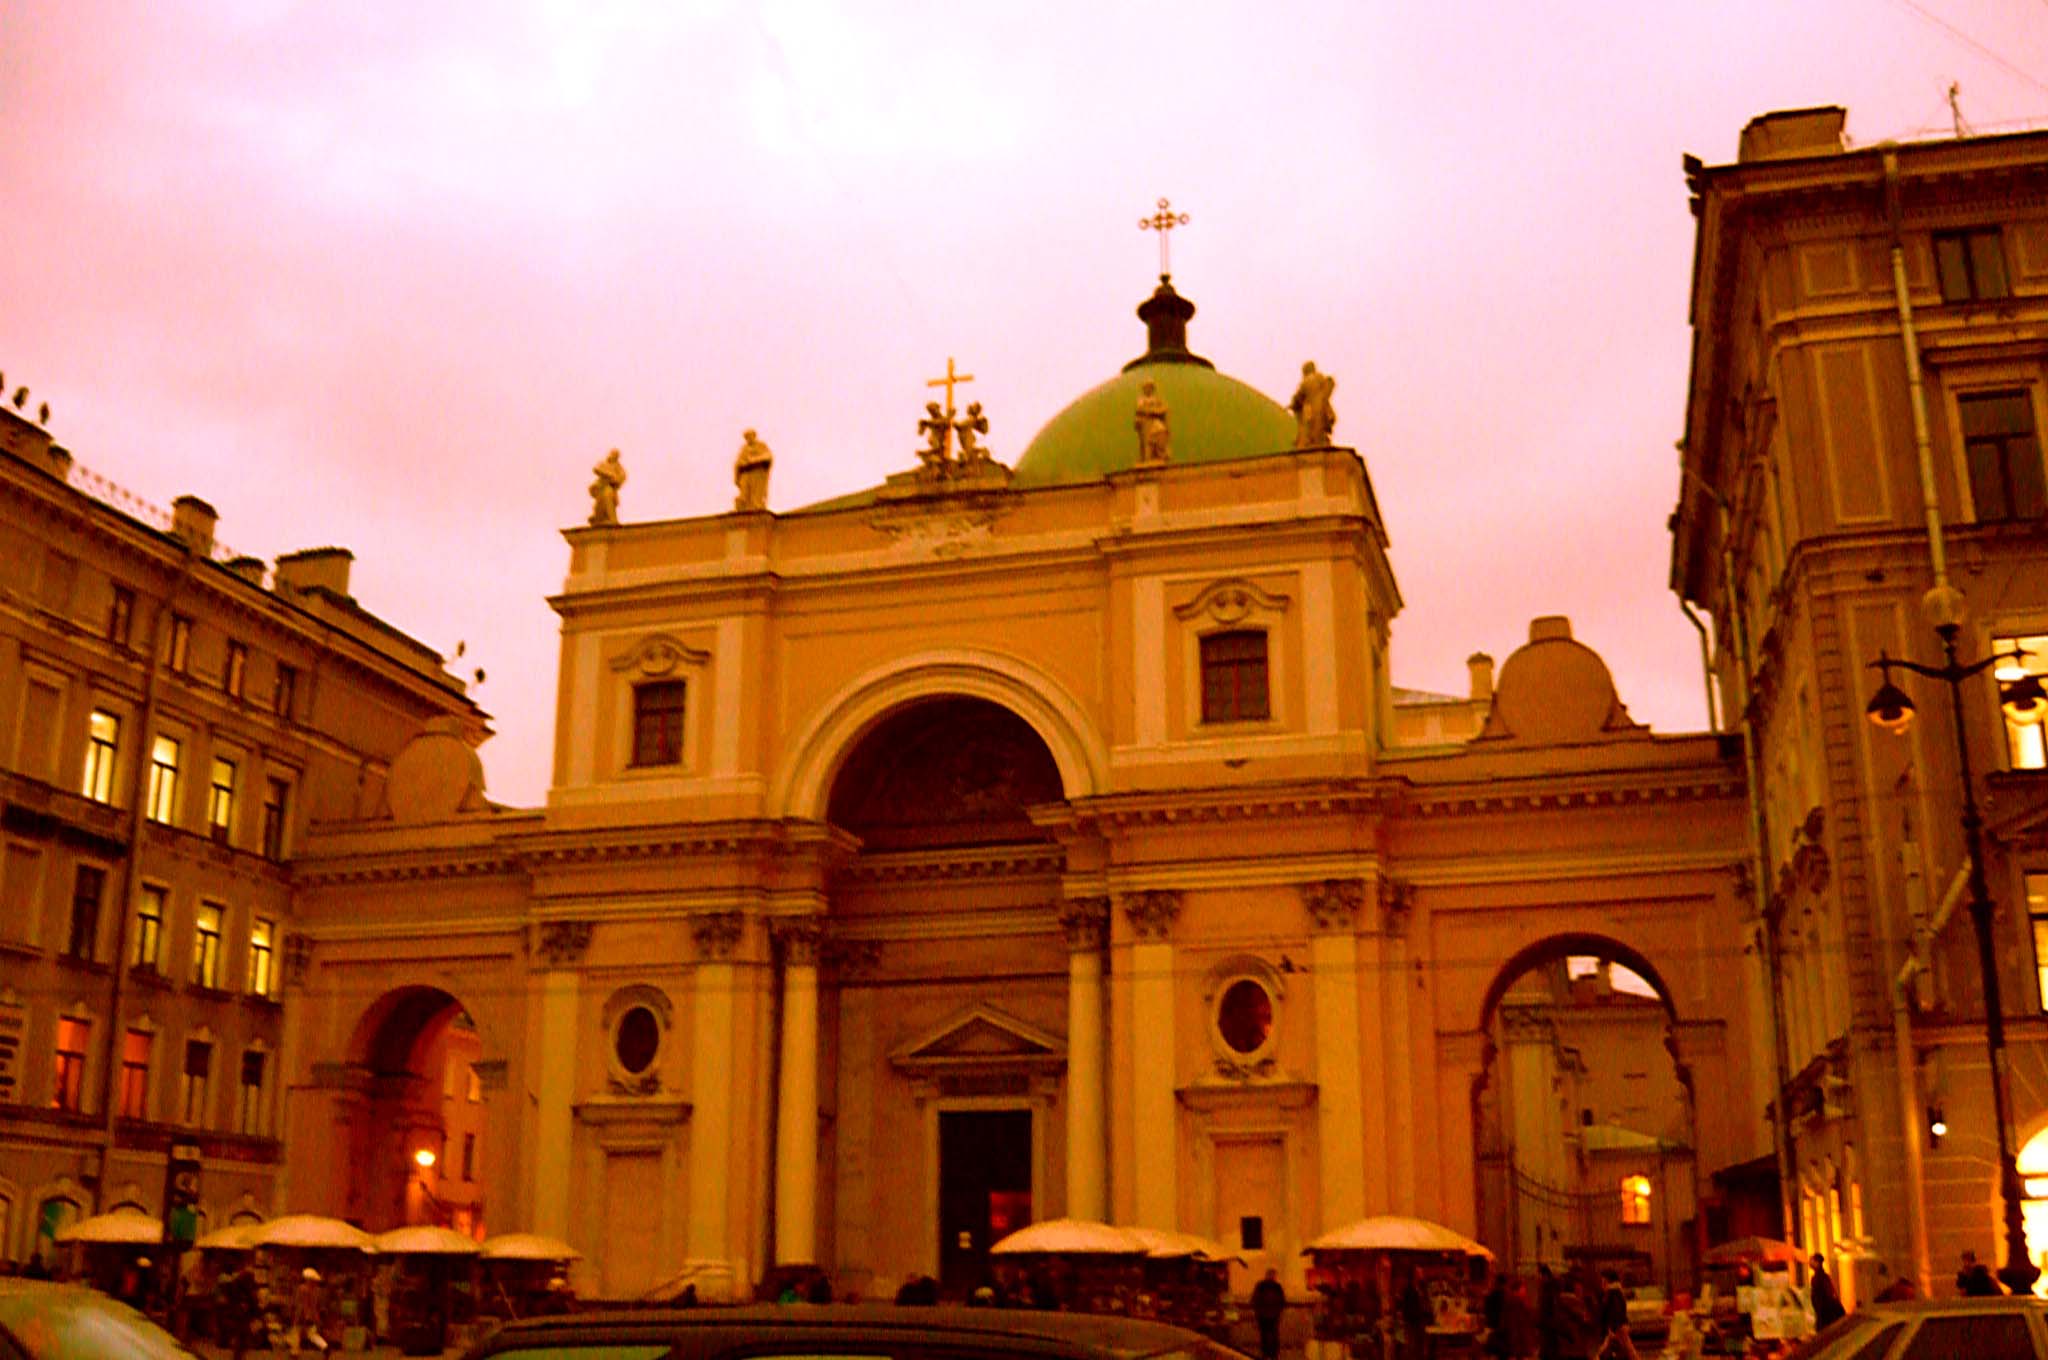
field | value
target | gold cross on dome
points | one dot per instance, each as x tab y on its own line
1163	221
948	381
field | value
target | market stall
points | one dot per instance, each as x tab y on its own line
219	1253
525	1274
1754	1289
429	1274
1186	1281
322	1261
1073	1264
114	1252
1374	1274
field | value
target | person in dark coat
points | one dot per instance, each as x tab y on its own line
1494	1310
1614	1320
1269	1305
1827	1300
1549	1315
1974	1280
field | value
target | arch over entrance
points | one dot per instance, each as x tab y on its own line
803	784
417	1131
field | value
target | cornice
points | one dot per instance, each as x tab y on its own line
1012	861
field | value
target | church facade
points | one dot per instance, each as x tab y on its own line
1004	843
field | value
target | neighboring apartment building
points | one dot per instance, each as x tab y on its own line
168	727
1843	299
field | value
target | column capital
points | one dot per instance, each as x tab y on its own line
717	933
1333	904
560	944
1086	922
850	959
801	938
1152	912
1397	905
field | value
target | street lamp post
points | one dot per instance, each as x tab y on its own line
2025	701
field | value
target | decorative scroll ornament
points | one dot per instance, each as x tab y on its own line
800	938
1152	912
562	942
717	933
1086	922
1334	903
659	654
1231	600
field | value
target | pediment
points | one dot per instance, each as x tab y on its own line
980	1038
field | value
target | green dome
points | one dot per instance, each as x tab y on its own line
1212	417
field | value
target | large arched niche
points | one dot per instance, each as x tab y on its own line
819	749
944	772
1569	945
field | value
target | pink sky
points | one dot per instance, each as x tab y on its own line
395	276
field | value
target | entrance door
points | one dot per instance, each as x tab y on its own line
984	1189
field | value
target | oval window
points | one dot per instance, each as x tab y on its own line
637	1039
1245	1016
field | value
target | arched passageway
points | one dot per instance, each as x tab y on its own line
1585	1131
418	1131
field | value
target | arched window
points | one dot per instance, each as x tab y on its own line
1635	1200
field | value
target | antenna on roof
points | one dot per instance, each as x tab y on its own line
1955	108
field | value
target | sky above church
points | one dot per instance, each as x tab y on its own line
395	276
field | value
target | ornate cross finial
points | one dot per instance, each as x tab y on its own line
1163	221
947	383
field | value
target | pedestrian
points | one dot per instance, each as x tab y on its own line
308	1301
1549	1320
1898	1290
1974	1280
1518	1319
1416	1315
820	1290
1615	1339
1827	1300
1494	1309
237	1312
1269	1305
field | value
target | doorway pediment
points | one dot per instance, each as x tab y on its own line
980	1039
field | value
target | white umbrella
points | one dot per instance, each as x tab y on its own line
1071	1237
129	1227
528	1247
1390	1232
312	1230
234	1237
425	1240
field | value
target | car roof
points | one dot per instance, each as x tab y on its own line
1983	1303
758	1322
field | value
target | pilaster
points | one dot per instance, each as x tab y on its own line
1156	1126
1086	922
1351	1155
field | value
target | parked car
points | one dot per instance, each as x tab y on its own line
1649	1311
45	1321
1974	1329
846	1332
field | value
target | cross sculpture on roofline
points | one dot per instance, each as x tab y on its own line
1163	222
938	427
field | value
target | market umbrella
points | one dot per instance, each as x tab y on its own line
425	1239
528	1247
1071	1237
234	1237
1163	1245
312	1230
1748	1250
126	1227
1391	1232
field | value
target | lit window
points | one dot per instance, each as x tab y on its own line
68	1084
163	780
103	738
287	687
206	946
181	643
120	616
276	796
2026	743
198	1071
658	723
262	953
2037	915
1635	1200
1234	677
473	1090
1970	265
249	1095
86	891
2004	457
234	669
135	1046
149	928
220	803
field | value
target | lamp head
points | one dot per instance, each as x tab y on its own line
2024	701
1890	709
425	1159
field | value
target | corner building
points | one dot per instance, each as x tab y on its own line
1000	844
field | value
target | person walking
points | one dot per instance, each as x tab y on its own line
1495	1311
1614	1321
1269	1305
1827	1300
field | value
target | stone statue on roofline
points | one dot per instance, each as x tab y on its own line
937	430
1154	439
750	473
609	475
1314	417
970	427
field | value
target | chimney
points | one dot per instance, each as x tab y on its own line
314	569
192	522
249	568
1480	665
1793	132
1550	628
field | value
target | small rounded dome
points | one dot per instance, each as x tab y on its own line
1212	417
435	776
1555	689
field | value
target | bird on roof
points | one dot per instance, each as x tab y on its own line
20	397
43	414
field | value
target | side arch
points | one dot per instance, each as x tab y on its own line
1569	944
803	780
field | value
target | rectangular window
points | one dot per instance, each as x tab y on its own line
13	1029
1635	1200
285	691
102	740
249	1095
2037	917
198	1070
149	928
1970	265
658	723
1251	1233
21	891
220	803
276	800
206	945
262	954
163	780
121	616
135	1047
181	643
67	1087
234	670
2006	479
2026	743
86	890
469	1157
1234	677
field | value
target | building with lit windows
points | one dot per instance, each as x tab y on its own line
172	723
